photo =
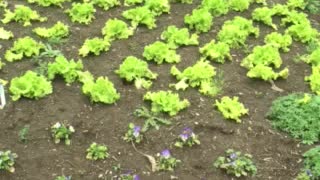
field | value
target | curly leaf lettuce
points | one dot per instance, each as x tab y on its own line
200	20
176	37
81	12
94	46
160	52
267	73
279	41
140	15
158	7
57	31
116	29
218	52
105	4
5	35
231	108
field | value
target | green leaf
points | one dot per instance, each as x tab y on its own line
4	34
200	20
160	52
231	108
140	15
116	29
176	37
94	46
57	31
81	12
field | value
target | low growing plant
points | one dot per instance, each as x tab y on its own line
63	178
46	3
279	41
30	85
239	5
200	20
311	164
23	47
56	32
62	132
215	7
7	160
135	70
94	46
313	58
176	37
296	4
231	108
304	33
187	138
97	152
236	164
140	15
167	162
151	119
158	7
313	6
82	12
134	134
5	35
160	52
266	73
314	79
105	4
67	69
132	2
116	29
23	133
297	115
218	52
166	101
22	14
264	15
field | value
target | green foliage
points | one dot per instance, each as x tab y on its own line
187	138
166	101
280	10
239	5
30	85
185	1
25	46
1	64
264	14
297	114
176	37
94	46
140	15
314	79
295	18
97	151
267	73
215	7
7	160
293	4
313	6
167	162
116	29
81	12
313	58
23	133
4	34
279	41
151	119
303	33
158	7
56	32
199	75
160	52
101	90
63	178
218	52
67	69
236	164
22	14
235	32
132	2
312	162
231	108
263	55
133	134
62	132
46	3
134	69
105	4
200	20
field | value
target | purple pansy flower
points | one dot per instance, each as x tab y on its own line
165	153
136	177
308	172
233	156
186	133
136	131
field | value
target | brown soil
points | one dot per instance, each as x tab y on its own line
276	155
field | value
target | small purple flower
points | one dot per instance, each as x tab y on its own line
308	172
136	131
186	133
165	153
233	156
136	177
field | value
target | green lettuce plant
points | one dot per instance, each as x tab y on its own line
279	41
82	12
199	75
160	52
67	69
231	108
135	70
22	14
140	15
185	1
236	163
264	15
236	31
116	29
23	47
46	3
311	164
166	101
94	46
200	20
314	79
218	52
56	32
215	7
132	2
297	114
176	37
97	151
99	90
30	85
294	4
62	132
267	73
158	7
239	5
7	160
313	58
105	4
5	35
304	33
